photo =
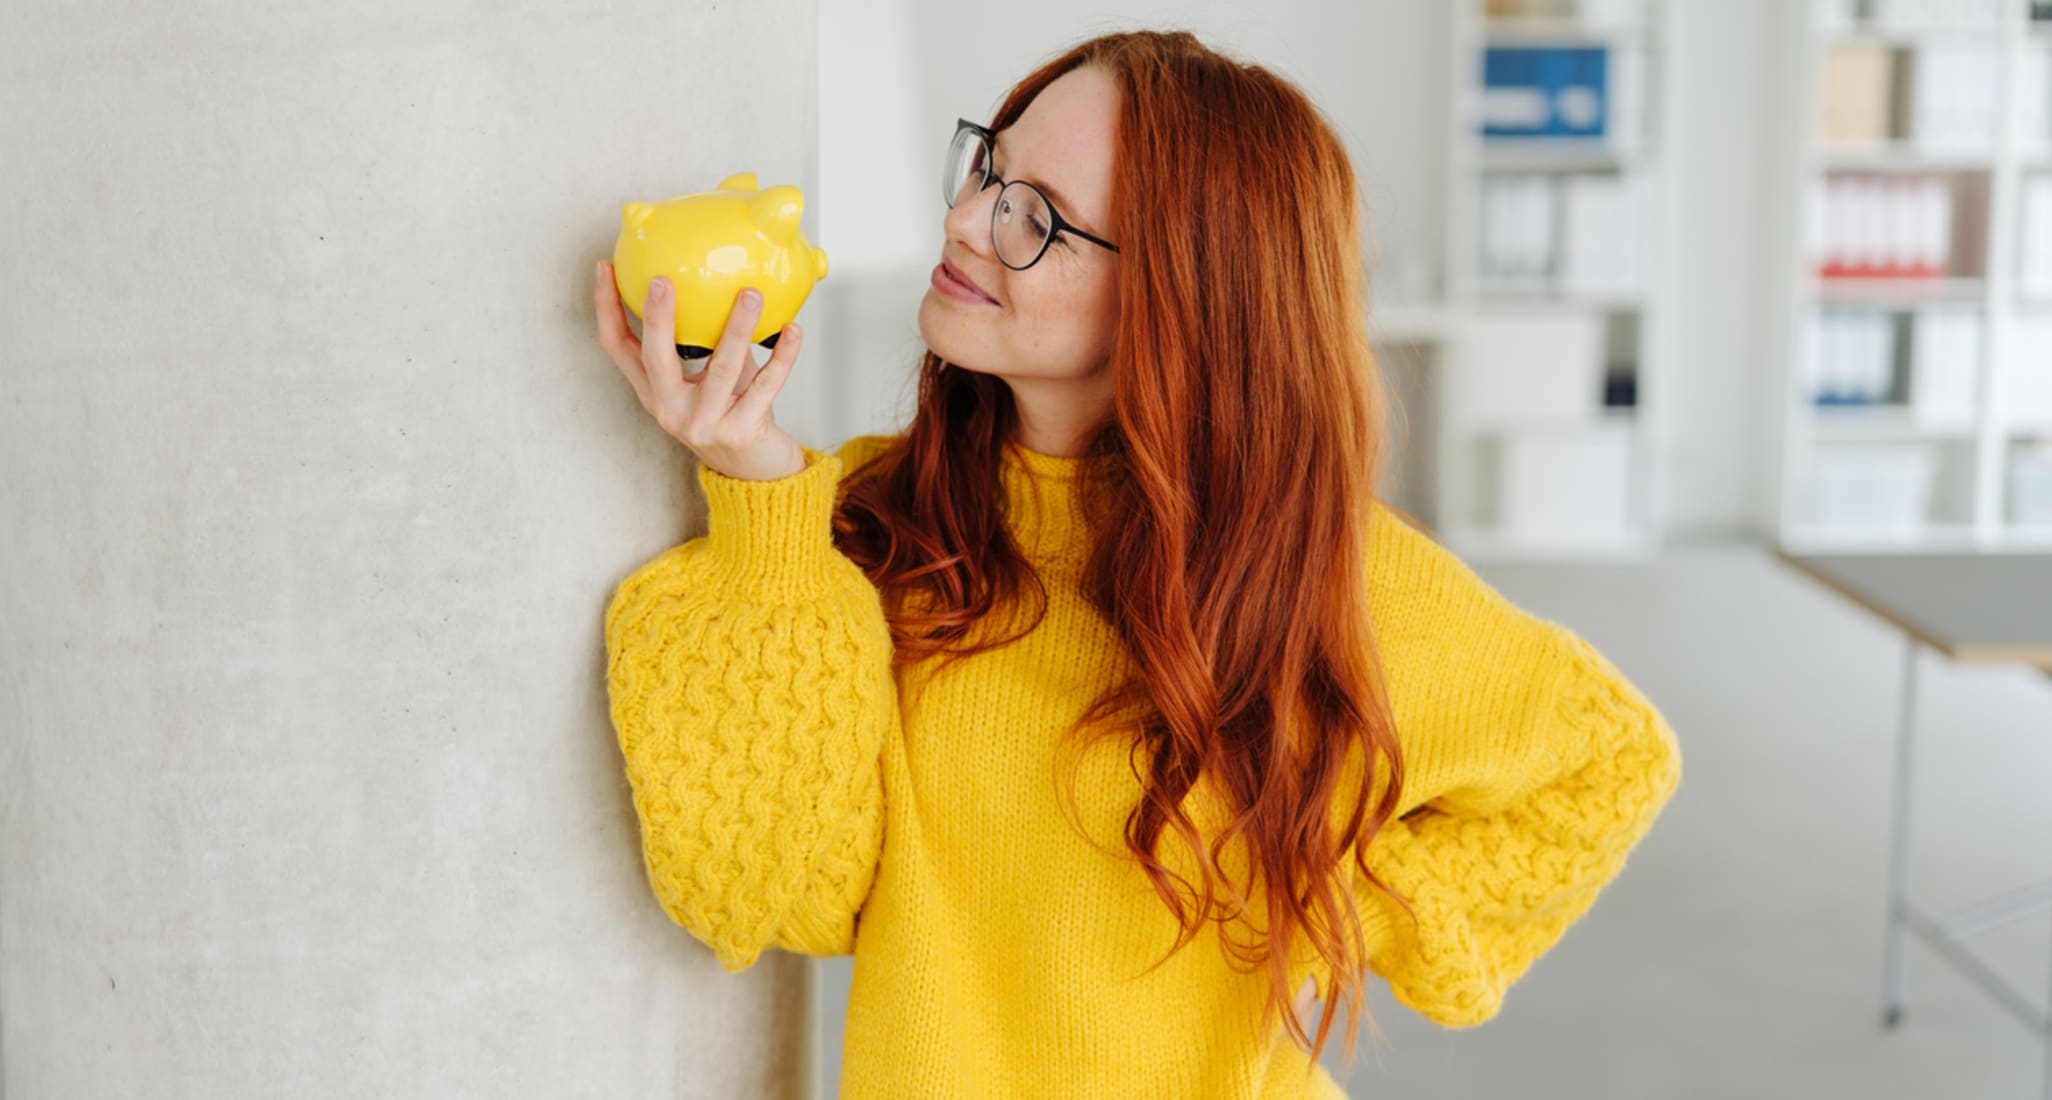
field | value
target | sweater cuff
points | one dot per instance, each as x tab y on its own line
775	538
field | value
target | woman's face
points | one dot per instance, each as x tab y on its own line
1052	322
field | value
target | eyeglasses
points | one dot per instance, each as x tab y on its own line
1023	221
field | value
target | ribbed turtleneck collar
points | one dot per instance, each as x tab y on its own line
1043	512
1046	465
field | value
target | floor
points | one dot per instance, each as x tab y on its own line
1739	954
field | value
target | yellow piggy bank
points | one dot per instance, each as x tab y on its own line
712	244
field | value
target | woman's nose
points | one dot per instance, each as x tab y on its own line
969	219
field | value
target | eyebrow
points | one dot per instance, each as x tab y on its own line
1060	199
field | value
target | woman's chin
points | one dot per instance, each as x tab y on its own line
941	332
936	332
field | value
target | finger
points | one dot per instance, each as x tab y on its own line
612	317
723	374
748	374
620	344
755	401
659	348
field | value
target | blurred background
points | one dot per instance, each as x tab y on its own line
1663	286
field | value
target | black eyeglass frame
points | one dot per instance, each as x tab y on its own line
1058	224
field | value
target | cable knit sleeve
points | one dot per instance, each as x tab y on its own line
750	680
1534	767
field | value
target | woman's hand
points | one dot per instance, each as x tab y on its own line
722	413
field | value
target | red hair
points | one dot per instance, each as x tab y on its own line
1246	402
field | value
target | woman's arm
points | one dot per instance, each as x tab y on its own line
1535	767
751	687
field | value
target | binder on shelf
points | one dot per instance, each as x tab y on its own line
1945	361
1856	91
2034	101
1836	16
1880	226
2024	394
1955	95
1566	484
1611	14
1580	232
1871	488
1595	14
1516	229
1603	232
2034	257
1544	92
1538	366
2030	483
1922	15
1849	357
1527	9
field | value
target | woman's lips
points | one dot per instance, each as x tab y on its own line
955	288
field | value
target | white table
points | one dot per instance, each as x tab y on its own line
1971	607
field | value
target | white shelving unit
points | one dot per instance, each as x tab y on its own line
1939	453
1548	435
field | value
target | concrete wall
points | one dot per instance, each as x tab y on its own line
314	483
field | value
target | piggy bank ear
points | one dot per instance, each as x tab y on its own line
819	264
776	212
739	181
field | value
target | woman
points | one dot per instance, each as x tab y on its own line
939	699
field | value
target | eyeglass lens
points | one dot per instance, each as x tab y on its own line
1022	218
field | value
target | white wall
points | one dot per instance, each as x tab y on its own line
1720	460
315	484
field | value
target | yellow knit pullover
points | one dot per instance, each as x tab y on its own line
787	799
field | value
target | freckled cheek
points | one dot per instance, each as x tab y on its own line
1103	310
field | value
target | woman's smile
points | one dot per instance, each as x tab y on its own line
947	282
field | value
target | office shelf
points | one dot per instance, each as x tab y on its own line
1579	473
1958	467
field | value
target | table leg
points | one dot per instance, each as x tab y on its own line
1898	871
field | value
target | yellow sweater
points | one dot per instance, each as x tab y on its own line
787	800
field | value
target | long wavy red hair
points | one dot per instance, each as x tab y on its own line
1246	402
